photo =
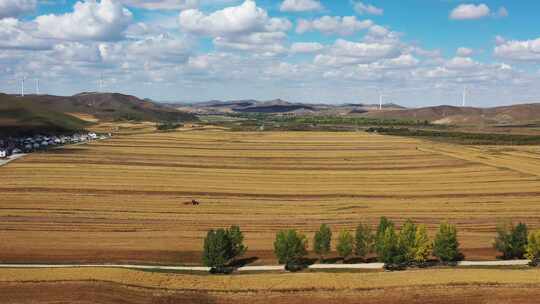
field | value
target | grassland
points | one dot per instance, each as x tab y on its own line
128	286
122	200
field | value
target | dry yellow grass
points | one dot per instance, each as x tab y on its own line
280	282
85	117
123	199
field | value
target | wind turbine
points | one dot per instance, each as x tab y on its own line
100	83
381	97
37	86
464	97
22	86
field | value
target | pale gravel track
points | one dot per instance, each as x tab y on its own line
255	268
6	161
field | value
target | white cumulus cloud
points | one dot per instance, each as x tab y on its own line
464	52
525	50
106	20
15	34
300	6
345	52
470	12
306	47
14	8
162	4
244	27
363	8
347	25
243	19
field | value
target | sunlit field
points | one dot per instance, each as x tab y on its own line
129	286
126	199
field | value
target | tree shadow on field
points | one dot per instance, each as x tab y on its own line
331	260
357	260
307	261
243	262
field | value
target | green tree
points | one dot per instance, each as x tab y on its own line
533	247
388	249
519	240
236	238
384	223
502	240
217	249
290	246
345	244
422	246
322	241
407	241
446	245
511	240
363	240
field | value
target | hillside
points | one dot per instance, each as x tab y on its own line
61	113
508	115
112	106
23	116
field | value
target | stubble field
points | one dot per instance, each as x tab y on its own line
123	199
441	286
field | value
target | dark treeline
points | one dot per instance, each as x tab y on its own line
462	137
397	249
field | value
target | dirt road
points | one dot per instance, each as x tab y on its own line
5	161
256	268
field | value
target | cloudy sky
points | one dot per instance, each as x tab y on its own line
415	52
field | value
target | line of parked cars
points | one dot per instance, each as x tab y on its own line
18	145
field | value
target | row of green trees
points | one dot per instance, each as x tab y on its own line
410	245
515	242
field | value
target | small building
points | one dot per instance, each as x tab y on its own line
3	153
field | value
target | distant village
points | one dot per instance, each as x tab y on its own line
19	145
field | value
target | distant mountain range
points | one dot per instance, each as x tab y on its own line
277	106
48	113
507	115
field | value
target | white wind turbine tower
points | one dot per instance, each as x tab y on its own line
22	86
464	97
100	83
37	86
381	97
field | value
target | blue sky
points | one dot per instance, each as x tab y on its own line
416	52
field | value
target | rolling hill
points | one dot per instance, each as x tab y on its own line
48	113
520	114
23	116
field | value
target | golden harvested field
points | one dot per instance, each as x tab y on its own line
122	200
129	286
